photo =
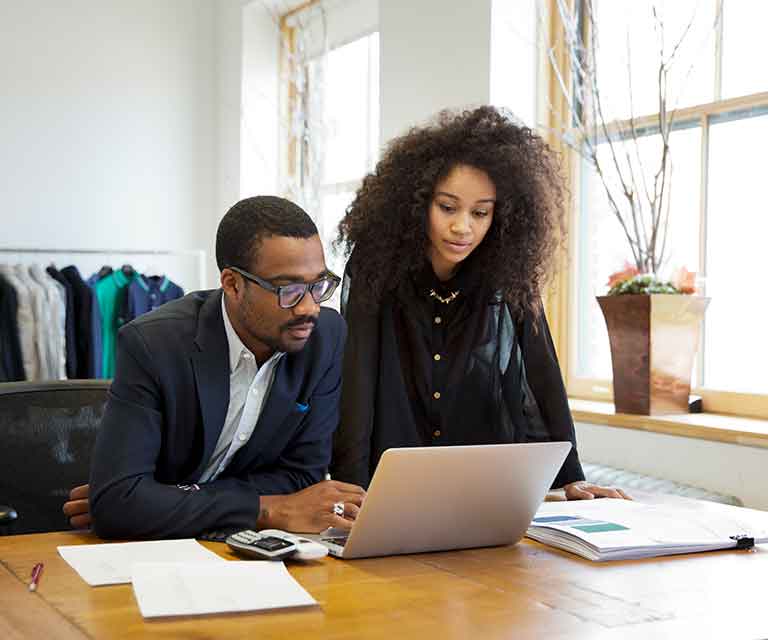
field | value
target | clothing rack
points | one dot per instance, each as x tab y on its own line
199	254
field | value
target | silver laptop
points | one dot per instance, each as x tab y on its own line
440	498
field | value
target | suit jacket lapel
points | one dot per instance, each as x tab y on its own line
211	367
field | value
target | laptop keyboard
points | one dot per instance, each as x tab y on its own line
338	541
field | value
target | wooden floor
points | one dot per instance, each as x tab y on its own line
524	591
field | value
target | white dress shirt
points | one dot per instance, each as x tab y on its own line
25	318
249	386
39	299
56	306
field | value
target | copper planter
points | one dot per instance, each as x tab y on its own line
654	339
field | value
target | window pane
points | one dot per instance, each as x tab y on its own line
629	38
347	112
736	348
744	47
603	247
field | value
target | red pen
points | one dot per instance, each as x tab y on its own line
37	571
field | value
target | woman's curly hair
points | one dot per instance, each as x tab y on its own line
386	224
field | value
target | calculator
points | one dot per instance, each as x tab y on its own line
264	547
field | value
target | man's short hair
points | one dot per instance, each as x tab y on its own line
248	222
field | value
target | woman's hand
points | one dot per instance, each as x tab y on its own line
583	490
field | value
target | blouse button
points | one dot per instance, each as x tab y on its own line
436	395
436	433
438	319
437	357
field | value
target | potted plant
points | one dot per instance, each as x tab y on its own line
654	331
653	322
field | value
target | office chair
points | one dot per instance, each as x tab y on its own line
47	432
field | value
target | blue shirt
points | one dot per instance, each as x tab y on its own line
146	293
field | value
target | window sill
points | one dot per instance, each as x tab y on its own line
750	432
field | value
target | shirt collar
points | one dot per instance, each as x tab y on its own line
236	346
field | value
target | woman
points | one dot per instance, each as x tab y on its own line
450	240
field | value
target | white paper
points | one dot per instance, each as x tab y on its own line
100	564
177	589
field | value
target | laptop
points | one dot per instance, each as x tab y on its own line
440	498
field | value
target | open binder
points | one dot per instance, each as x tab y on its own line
610	529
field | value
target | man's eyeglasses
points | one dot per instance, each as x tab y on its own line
289	295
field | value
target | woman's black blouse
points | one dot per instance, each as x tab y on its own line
424	372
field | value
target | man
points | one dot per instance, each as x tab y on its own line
223	404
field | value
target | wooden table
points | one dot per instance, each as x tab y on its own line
524	591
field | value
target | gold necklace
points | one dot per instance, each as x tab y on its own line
449	299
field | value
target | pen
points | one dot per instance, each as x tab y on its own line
37	571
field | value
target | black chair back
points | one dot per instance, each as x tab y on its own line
47	432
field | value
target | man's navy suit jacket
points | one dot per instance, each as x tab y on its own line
167	406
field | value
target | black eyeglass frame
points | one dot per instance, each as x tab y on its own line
277	289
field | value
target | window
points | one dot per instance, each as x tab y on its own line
329	103
351	122
719	219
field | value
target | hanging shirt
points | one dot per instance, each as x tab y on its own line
25	318
147	293
11	362
249	386
109	291
83	306
39	300
97	348
55	327
70	348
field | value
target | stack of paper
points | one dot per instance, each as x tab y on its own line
608	529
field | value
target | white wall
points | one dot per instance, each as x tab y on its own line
107	123
229	68
260	130
137	123
433	56
515	52
725	468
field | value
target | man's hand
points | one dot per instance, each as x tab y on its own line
77	508
583	490
311	510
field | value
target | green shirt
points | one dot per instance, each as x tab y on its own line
110	291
